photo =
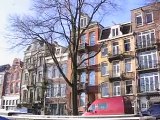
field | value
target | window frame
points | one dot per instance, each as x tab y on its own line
126	63
137	16
117	87
149	13
106	86
128	85
104	64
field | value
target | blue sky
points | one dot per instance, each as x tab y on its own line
9	7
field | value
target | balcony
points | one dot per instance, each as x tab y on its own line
114	76
128	75
147	66
82	47
129	54
93	67
118	55
92	89
145	46
81	86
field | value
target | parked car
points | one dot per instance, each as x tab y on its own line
154	111
110	106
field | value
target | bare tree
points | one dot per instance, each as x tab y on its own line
59	20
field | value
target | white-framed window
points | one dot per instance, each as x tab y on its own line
128	87
92	78
116	69
93	59
104	69
104	51
49	90
145	39
139	20
83	99
127	46
115	49
149	17
56	90
149	82
49	72
116	88
148	60
105	89
63	90
83	22
114	32
39	76
92	39
128	65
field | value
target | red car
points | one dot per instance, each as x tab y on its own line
110	106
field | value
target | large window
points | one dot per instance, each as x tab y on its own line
83	22
105	89
82	99
25	95
128	65
84	56
39	76
104	69
92	39
149	82
149	17
115	48
116	88
83	77
92	60
92	78
139	19
56	90
104	51
127	45
116	69
49	72
145	39
128	88
148	60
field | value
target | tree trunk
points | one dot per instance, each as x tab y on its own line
74	93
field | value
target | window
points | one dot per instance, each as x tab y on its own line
92	38
83	39
104	69
92	60
31	96
82	99
49	72
148	60
128	65
116	69
49	90
84	56
129	88
17	87
83	77
149	82
114	32
11	88
25	95
58	51
33	81
40	61
105	89
102	106
92	78
64	68
145	39
83	22
26	76
63	90
38	94
39	76
104	51
56	90
116	88
127	45
149	17
139	19
115	48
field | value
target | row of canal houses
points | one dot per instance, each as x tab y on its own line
128	65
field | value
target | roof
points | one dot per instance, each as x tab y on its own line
4	67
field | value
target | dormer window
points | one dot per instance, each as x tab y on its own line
58	50
83	21
114	32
